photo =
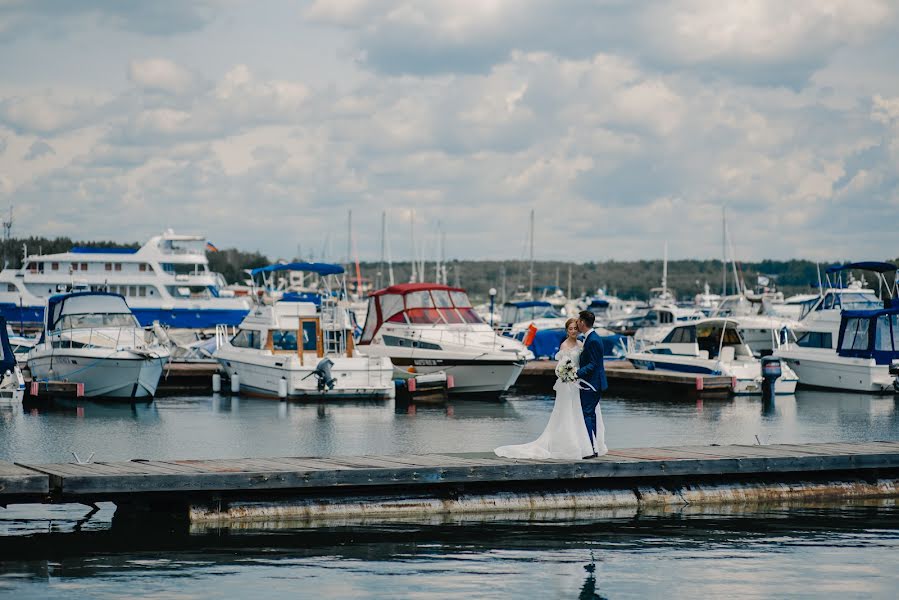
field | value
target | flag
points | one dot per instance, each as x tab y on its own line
210	247
763	281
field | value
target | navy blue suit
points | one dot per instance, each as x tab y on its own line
593	372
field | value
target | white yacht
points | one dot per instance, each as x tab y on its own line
166	280
94	339
710	346
848	338
427	328
301	346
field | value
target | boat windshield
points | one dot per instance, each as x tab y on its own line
887	337
843	301
95	320
420	307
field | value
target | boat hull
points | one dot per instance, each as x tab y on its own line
120	374
469	376
747	376
262	374
831	371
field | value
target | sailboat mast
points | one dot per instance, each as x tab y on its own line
531	273
389	255
414	255
349	239
665	272
380	283
723	251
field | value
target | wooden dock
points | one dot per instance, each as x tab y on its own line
442	482
624	378
177	377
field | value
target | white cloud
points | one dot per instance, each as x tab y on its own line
159	74
43	113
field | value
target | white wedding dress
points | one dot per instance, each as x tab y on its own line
565	435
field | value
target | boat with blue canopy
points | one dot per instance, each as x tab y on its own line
857	353
94	338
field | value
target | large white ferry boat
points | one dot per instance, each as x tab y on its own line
166	280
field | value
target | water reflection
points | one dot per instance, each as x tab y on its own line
777	551
224	426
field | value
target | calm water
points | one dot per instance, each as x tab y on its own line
850	549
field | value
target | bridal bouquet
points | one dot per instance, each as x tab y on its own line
566	370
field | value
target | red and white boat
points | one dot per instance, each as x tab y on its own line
428	327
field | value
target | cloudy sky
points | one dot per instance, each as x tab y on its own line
622	124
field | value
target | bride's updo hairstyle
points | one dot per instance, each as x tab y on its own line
568	324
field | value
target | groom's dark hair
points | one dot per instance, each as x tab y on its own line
587	317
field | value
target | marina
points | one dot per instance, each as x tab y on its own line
435	300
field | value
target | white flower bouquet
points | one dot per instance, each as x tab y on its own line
566	370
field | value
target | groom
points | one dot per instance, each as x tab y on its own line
592	371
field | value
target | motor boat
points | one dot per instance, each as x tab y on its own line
21	344
429	327
856	354
166	280
301	346
710	346
93	338
518	316
763	332
656	322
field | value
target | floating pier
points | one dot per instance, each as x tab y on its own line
254	489
623	377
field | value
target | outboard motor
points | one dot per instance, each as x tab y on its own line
322	374
771	370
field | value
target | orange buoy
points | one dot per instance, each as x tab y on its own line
530	335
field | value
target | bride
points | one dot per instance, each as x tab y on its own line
565	436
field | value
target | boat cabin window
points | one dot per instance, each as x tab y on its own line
95	320
391	305
246	338
420	309
189	291
681	335
371	321
855	336
441	298
460	299
310	335
469	315
709	339
887	333
392	340
284	339
815	339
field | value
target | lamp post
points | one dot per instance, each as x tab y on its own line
492	294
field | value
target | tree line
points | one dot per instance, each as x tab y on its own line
626	279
